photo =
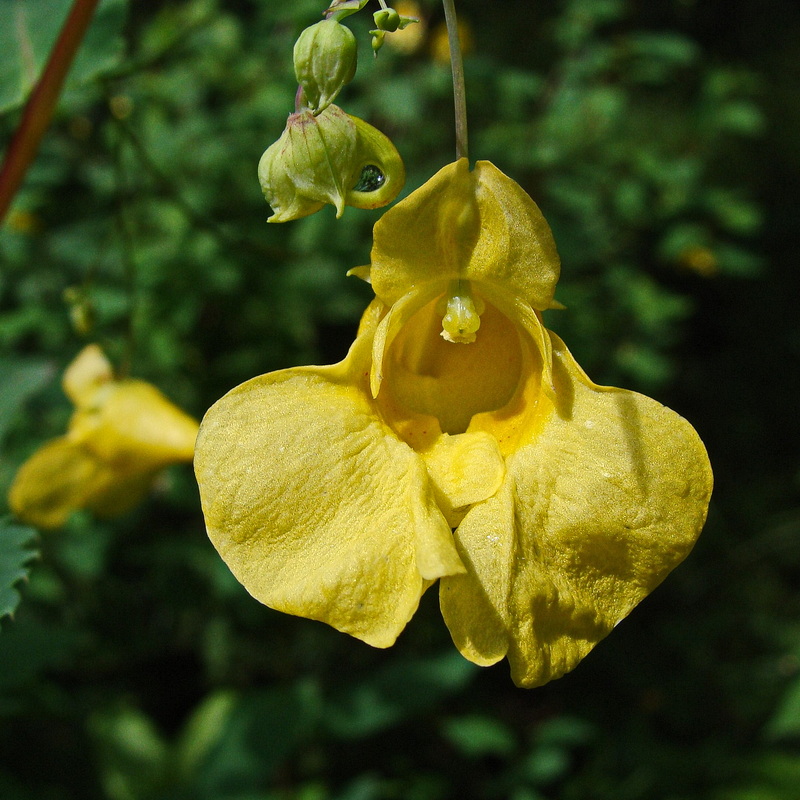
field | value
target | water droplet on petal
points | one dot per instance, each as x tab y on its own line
370	180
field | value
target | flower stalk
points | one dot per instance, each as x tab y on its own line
459	90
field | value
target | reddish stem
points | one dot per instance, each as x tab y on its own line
39	108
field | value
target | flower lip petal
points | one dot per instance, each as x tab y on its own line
594	513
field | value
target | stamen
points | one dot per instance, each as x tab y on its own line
461	314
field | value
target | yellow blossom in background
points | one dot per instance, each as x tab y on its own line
701	260
460	441
411	38
440	46
121	434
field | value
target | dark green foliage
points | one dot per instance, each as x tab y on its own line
15	555
661	141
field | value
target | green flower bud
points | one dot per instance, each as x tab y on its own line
330	157
324	61
387	19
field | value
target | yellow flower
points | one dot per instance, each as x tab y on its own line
121	434
479	454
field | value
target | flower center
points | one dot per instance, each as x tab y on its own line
428	372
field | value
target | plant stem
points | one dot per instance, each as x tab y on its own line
42	101
459	91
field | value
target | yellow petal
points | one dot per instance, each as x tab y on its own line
316	506
89	371
608	497
478	226
465	469
475	605
136	429
55	481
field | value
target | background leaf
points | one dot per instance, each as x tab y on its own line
21	378
15	555
28	30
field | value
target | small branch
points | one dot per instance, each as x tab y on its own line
459	90
39	108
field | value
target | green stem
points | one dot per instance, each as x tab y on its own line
42	101
459	91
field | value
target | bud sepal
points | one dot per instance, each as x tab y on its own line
330	157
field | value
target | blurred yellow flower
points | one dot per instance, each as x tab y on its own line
121	434
412	37
459	441
701	260
440	45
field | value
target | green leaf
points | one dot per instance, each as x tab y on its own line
28	30
546	764
15	554
672	48
27	33
21	378
30	650
785	723
132	754
565	732
232	744
742	117
103	47
398	691
479	735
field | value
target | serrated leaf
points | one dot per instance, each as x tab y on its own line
15	553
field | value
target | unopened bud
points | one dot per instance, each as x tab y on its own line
387	19
325	58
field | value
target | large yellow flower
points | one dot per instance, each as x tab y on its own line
460	441
121	434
